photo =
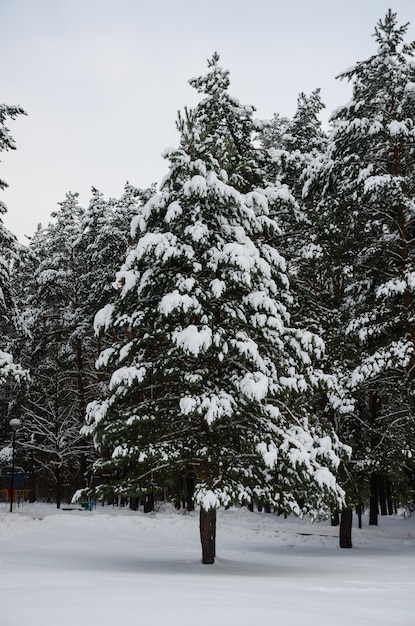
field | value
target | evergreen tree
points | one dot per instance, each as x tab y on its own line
8	243
366	218
208	375
57	396
11	373
60	280
6	140
104	237
300	143
271	132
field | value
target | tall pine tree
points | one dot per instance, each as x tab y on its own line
366	216
208	375
11	373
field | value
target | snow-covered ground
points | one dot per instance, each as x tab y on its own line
115	567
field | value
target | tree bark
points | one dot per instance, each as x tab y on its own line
134	502
335	518
345	535
32	478
58	486
149	502
83	479
359	510
382	495
208	535
373	502
375	413
190	489
389	495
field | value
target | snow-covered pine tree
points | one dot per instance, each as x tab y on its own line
11	373
60	281
367	241
299	142
208	375
101	244
57	395
104	237
6	140
295	147
271	132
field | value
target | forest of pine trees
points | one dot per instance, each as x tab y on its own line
245	333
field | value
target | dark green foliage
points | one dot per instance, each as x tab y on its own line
363	191
61	279
208	375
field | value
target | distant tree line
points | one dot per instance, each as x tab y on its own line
245	334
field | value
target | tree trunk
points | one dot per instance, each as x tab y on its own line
335	518
134	502
208	535
83	478
32	479
382	495
389	495
359	510
373	502
58	486
345	535
149	502
190	489
179	495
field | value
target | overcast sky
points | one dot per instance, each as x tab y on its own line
102	81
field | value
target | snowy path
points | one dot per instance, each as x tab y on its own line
113	567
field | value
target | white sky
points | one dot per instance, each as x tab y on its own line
102	80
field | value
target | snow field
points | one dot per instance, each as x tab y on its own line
117	567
